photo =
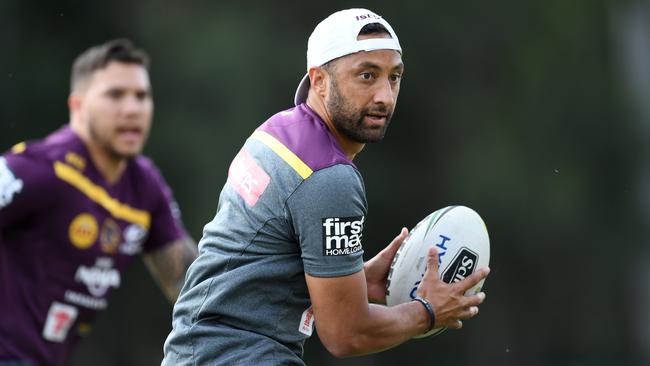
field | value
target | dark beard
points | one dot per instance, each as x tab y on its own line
350	122
105	145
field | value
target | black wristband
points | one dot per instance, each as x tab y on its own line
427	306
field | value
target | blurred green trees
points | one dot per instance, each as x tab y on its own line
513	108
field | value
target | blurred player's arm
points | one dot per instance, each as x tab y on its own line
171	249
169	264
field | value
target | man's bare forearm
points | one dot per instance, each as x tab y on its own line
169	264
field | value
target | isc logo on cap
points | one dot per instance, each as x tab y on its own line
342	235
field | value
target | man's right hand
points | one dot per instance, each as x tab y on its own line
450	305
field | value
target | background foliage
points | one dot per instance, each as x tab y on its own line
515	108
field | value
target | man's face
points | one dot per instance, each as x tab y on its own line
116	108
363	93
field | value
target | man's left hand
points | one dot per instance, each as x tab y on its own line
376	269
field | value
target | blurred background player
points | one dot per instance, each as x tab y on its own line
285	245
77	206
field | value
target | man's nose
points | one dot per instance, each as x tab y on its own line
385	94
132	104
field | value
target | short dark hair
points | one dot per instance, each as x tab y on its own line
373	28
97	57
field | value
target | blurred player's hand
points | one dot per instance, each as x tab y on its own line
376	269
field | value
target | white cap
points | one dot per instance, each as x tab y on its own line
336	36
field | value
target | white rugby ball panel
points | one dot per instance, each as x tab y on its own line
460	236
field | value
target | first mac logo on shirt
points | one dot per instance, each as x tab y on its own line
342	235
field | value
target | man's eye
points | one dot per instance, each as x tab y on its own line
365	76
115	94
142	95
395	77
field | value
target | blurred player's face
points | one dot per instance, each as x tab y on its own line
363	93
116	108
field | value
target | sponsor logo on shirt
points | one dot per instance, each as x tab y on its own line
342	235
59	320
110	236
86	301
100	277
134	236
248	178
9	184
83	231
306	326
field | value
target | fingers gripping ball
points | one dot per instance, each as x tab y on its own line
459	235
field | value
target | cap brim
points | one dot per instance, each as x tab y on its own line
302	91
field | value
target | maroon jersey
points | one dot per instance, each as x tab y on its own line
66	237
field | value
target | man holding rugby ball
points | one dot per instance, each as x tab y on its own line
284	249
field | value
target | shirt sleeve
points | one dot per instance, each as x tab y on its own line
166	224
327	212
22	183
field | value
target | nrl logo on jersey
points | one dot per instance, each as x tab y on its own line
9	184
342	235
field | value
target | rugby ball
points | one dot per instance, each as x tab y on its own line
461	238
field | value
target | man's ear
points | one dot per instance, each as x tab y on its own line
74	102
319	80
